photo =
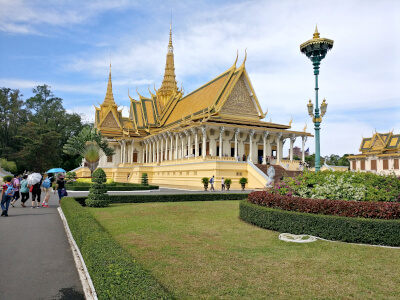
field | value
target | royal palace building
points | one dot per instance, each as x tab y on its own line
379	154
178	139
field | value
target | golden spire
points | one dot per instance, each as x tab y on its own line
169	84
316	33
109	99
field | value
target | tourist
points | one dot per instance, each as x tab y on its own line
16	184
60	187
212	184
244	157
36	193
223	184
47	187
24	190
300	166
6	195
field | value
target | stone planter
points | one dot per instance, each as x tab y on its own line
243	186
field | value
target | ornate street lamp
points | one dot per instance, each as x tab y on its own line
316	49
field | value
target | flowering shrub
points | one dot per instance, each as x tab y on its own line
341	186
364	209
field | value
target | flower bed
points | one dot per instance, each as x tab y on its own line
362	209
341	186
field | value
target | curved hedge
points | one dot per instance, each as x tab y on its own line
362	209
114	188
114	272
352	230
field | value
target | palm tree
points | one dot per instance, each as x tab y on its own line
91	145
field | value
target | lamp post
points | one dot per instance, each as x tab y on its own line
316	49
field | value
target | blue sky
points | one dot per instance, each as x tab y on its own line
68	44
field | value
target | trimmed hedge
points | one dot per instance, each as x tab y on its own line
362	209
114	272
115	188
352	230
171	198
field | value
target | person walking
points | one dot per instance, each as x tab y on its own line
46	188
212	184
36	193
6	195
16	184
24	190
223	184
60	188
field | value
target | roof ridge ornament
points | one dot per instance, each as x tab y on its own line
316	33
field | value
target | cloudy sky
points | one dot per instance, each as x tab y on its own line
67	44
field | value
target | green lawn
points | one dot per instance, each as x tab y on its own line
201	250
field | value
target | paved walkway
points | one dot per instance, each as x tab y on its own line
36	260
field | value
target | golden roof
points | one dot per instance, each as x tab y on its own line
380	143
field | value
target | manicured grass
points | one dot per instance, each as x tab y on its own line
201	250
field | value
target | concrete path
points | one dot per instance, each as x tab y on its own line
36	260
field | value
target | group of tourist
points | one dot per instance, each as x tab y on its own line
18	187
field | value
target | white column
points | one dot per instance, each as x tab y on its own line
172	140
251	134
154	158
278	147
176	145
144	148
303	155
203	147
265	136
292	140
196	143
131	159
221	131
161	148
165	135
187	133
237	130
182	137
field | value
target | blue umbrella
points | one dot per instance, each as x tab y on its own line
56	170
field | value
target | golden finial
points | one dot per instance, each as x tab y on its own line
170	47
305	127
316	33
237	56
290	122
137	92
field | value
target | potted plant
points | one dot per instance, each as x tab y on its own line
227	182
243	182
205	181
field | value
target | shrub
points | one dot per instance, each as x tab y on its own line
114	272
5	178
205	180
115	187
353	230
341	186
243	180
145	179
97	196
9	166
363	209
228	181
171	198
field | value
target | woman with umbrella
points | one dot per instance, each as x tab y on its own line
35	181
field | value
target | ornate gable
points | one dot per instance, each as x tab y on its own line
240	102
110	122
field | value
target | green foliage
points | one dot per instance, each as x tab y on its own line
89	143
70	175
205	180
351	230
171	198
9	166
347	185
115	187
97	196
114	272
33	131
336	160
228	181
243	180
145	179
7	178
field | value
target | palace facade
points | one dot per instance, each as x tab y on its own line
177	139
379	154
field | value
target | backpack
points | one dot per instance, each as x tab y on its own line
47	183
10	190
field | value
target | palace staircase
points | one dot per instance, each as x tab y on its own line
279	171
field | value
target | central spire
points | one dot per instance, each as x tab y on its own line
169	85
109	99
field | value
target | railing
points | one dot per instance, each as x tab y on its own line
190	160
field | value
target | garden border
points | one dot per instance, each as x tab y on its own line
114	188
352	230
114	272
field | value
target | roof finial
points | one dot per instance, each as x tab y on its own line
316	33
237	56
245	57
170	47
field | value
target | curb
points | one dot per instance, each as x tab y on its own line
87	284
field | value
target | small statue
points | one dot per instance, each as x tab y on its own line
270	174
